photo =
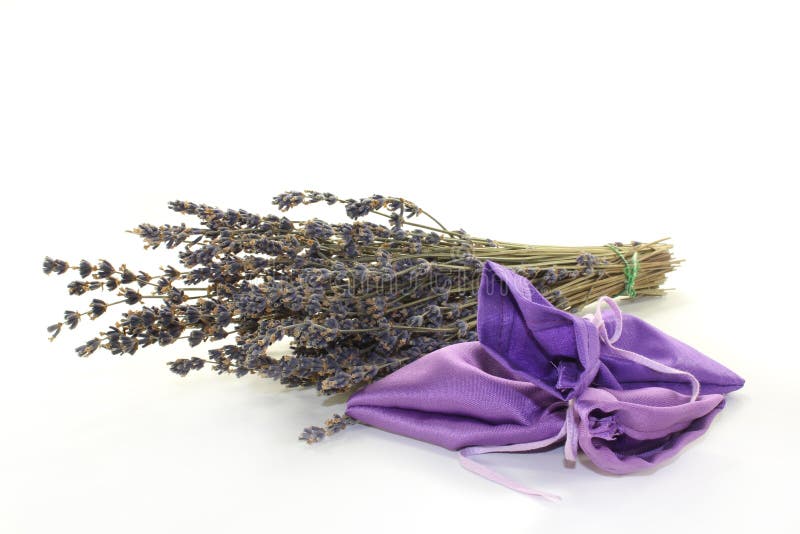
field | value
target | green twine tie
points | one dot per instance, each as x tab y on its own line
631	271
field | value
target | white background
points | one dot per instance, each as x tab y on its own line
552	123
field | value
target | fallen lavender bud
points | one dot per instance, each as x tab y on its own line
336	423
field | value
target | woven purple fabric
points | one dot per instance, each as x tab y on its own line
561	352
628	395
630	430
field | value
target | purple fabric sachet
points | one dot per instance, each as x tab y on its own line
626	394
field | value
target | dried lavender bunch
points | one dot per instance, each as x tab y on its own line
357	299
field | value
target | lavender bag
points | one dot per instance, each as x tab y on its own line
630	399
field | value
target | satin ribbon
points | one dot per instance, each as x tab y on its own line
569	431
597	320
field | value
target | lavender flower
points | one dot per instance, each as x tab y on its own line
358	299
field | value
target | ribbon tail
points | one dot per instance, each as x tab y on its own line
660	367
597	320
571	430
490	474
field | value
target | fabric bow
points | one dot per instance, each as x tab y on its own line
630	399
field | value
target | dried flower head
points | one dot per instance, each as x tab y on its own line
358	299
